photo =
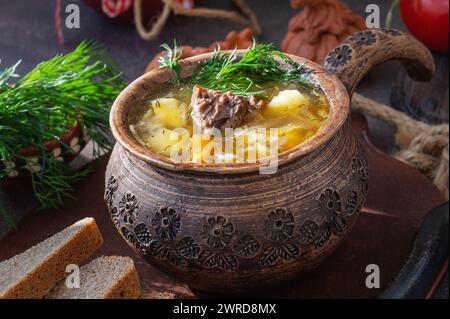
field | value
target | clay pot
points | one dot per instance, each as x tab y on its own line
228	227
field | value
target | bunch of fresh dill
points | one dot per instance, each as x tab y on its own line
77	87
242	75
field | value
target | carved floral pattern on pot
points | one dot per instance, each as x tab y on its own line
143	235
308	232
224	261
115	215
188	248
364	38
175	252
167	223
360	169
247	247
339	56
279	225
128	208
159	250
217	232
359	174
330	202
333	227
333	224
131	238
110	191
273	253
352	203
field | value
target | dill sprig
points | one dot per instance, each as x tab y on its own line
44	104
53	183
170	59
245	75
8	73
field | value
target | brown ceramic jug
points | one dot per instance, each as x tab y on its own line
226	227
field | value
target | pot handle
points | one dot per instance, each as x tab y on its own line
354	57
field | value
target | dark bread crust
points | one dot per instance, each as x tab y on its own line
38	282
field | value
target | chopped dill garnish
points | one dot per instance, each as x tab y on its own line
228	72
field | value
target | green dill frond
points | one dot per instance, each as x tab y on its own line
170	59
45	103
8	73
79	86
54	182
245	76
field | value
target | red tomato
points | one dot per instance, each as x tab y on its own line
428	21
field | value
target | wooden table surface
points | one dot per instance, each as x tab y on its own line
27	32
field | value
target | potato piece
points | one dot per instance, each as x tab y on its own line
169	112
162	140
287	100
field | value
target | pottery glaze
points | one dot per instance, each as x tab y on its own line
228	227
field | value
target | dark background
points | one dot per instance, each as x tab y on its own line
27	33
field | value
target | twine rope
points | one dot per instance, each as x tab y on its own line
423	146
249	20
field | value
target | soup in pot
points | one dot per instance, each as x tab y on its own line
241	119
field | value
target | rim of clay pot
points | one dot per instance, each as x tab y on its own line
332	87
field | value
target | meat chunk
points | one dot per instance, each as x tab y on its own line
216	109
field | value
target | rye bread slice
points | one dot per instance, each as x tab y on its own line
107	277
33	273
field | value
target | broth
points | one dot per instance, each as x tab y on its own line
297	112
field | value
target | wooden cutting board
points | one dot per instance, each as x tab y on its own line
398	198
